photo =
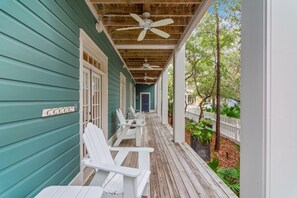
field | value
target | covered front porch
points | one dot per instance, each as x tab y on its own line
176	170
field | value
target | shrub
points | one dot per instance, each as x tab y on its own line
202	131
230	176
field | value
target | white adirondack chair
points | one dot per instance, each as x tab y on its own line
71	191
129	129
116	180
133	114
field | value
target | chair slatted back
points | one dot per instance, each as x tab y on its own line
132	110
96	144
120	116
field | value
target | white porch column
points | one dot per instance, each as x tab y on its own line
179	95
159	97
268	99
165	97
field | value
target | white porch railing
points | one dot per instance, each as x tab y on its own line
230	127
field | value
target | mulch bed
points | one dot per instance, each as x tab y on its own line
229	155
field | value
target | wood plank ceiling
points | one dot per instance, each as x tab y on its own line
115	14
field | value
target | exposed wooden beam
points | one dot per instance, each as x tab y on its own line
139	46
148	36
146	42
147	2
169	29
127	21
155	10
145	51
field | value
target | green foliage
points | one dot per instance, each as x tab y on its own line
233	112
190	124
202	131
170	90
230	176
202	56
170	108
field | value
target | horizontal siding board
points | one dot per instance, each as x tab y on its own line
26	148
19	71
18	111
22	33
19	91
68	30
61	177
38	27
27	167
19	51
42	71
24	187
63	17
18	131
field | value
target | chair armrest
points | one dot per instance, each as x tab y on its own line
126	171
132	125
133	149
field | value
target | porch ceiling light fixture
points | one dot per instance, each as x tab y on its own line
99	27
148	24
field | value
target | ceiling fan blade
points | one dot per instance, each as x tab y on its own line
137	18
151	78
128	28
138	77
141	35
160	32
154	66
143	69
162	22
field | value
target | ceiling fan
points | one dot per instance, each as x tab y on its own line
147	66
148	24
145	77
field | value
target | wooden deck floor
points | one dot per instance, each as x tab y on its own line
177	171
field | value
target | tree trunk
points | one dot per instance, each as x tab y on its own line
218	117
201	115
213	99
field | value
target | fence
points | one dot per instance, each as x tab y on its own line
230	127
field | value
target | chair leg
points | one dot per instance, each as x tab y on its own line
121	136
119	140
138	137
147	191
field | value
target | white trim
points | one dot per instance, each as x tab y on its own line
134	104
140	104
123	83
88	45
131	94
165	97
145	46
179	96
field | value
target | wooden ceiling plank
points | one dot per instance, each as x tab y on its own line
177	2
155	10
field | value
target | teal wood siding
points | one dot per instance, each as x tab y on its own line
39	69
145	88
